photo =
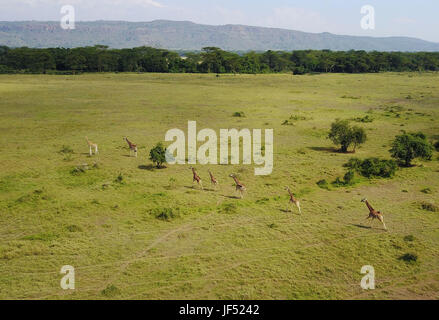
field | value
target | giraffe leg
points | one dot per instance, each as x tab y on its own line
90	152
96	149
298	206
382	221
201	185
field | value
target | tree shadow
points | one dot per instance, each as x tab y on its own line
325	149
148	167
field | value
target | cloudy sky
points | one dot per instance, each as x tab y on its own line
417	18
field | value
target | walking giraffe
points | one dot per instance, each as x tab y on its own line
374	214
92	145
213	180
133	147
239	186
293	200
196	178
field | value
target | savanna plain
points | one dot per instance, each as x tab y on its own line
132	231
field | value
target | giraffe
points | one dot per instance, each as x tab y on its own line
374	214
239	186
213	180
293	200
92	145
133	147
196	178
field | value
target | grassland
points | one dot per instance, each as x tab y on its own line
215	246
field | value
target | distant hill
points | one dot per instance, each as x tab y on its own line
185	35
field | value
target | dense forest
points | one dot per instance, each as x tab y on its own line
209	60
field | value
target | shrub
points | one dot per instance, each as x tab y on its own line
348	180
74	228
239	114
409	257
165	214
427	191
66	150
119	178
111	291
158	155
409	238
409	146
229	208
323	184
427	206
365	119
373	167
349	177
436	145
343	134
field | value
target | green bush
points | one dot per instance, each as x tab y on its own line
158	155
427	191
409	146
66	150
239	114
165	214
409	257
429	207
349	177
323	184
365	119
436	145
348	180
373	167
111	291
343	134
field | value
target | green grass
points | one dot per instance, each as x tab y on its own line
135	232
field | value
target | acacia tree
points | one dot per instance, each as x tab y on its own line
158	155
409	146
343	134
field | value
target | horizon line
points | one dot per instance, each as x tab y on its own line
232	24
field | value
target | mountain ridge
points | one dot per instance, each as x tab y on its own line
187	35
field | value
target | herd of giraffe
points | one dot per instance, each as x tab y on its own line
240	187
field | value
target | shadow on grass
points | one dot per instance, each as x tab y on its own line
148	167
232	197
325	149
362	226
194	188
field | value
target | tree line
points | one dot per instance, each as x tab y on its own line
210	60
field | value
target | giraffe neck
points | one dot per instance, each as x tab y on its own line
369	206
236	180
211	175
290	193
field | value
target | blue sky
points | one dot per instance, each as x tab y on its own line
417	18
